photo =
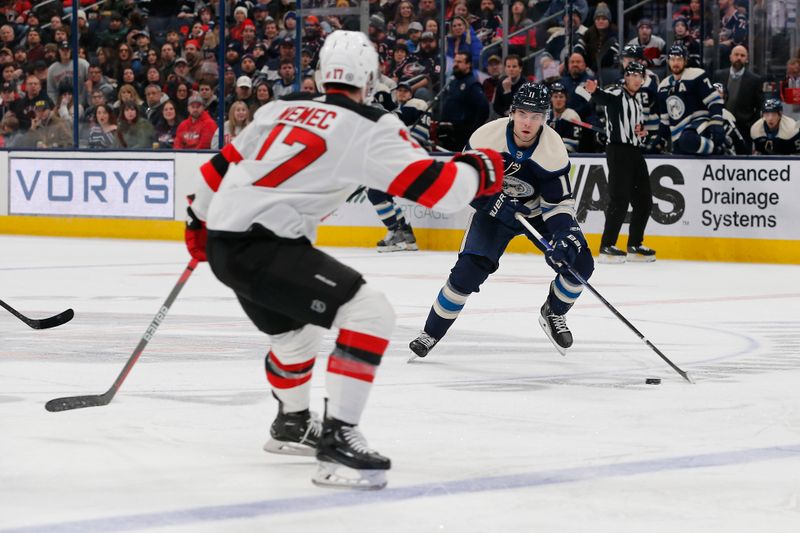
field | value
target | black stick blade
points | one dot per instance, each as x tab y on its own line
53	321
76	402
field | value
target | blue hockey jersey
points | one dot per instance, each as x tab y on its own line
688	102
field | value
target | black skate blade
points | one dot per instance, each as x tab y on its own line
337	476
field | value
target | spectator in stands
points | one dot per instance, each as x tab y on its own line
8	37
733	30
180	97
240	19
487	24
576	77
464	107
210	102
654	46
33	42
248	66
167	126
63	70
196	132
103	133
115	34
124	60
599	43
98	82
558	45
680	27
135	132
25	106
65	108
239	117
308	85
181	70
126	94
244	90
262	94
426	9
509	84
9	98
461	39
154	99
289	25
494	68
285	85
414	34
519	43
790	89
743	90
47	129
9	127
774	133
404	16
428	57
564	119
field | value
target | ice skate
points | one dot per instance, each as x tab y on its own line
641	254
422	345
555	327
611	255
408	236
294	433
394	241
346	461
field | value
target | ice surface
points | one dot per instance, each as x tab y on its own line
492	432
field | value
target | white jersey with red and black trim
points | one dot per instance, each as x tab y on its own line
301	158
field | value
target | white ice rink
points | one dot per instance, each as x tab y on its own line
493	432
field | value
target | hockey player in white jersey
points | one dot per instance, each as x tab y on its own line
262	198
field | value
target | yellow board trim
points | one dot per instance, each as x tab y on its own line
686	248
115	228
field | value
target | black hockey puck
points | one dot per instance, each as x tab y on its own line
653	381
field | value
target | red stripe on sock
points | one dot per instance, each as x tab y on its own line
362	341
298	367
351	369
280	382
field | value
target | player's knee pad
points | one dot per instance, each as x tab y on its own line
584	266
470	271
298	345
368	312
692	143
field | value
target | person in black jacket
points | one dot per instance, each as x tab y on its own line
465	107
508	86
628	177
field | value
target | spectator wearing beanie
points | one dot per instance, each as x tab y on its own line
239	16
600	44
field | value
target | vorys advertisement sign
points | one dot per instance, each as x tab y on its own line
92	187
728	198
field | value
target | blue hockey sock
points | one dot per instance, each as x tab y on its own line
445	310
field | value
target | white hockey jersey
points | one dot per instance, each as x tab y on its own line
301	158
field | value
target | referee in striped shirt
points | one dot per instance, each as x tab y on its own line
628	177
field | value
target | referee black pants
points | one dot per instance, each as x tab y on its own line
628	184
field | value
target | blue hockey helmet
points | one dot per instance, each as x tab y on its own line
635	68
557	87
678	50
533	97
633	50
772	105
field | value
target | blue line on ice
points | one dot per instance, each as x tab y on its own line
333	499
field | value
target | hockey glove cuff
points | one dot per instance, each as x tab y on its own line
489	165
567	245
195	234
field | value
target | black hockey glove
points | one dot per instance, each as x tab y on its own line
566	246
489	165
718	138
195	234
504	207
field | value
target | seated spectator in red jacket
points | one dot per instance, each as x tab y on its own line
195	132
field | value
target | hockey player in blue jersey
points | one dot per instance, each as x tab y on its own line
775	133
564	120
686	102
537	186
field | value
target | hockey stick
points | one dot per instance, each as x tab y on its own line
611	308
44	323
582	124
95	400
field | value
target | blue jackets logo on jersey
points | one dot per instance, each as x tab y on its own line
516	187
675	107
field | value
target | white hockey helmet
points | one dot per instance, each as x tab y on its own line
349	58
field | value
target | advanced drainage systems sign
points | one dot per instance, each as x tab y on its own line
92	187
728	198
